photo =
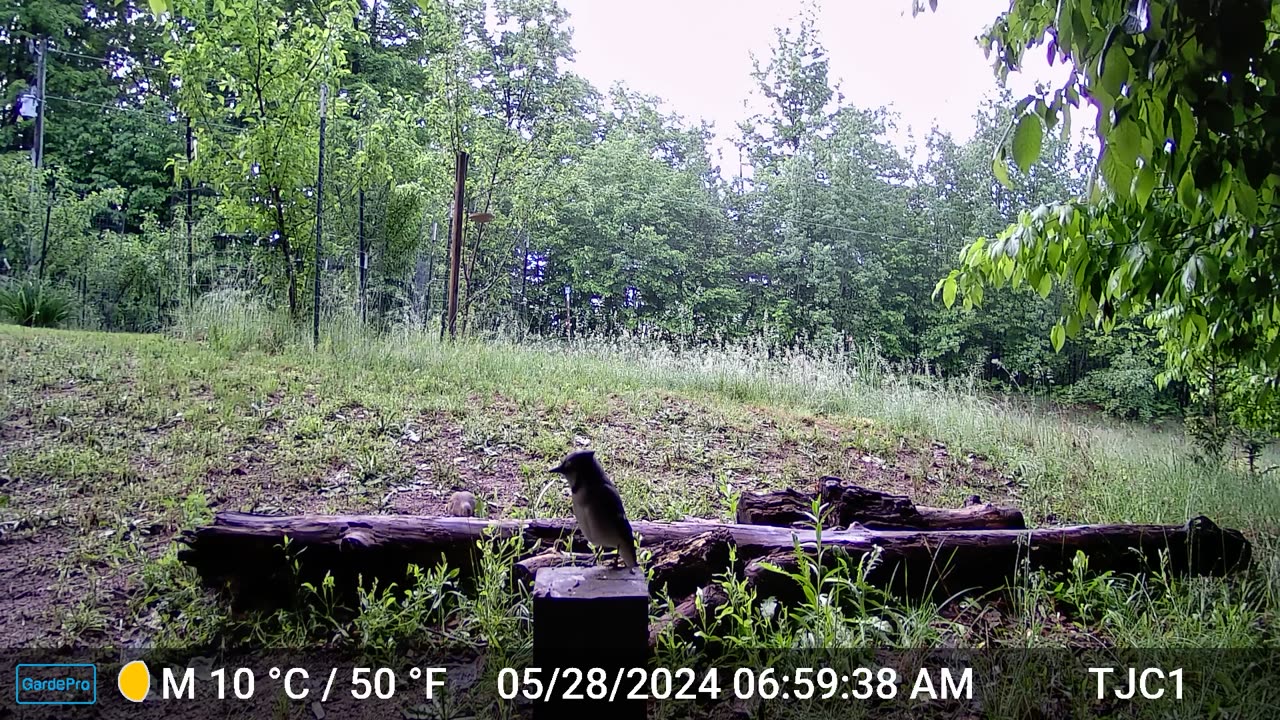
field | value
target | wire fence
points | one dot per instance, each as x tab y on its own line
122	267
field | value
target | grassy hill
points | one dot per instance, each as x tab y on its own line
110	444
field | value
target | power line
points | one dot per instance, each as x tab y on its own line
170	117
79	55
147	71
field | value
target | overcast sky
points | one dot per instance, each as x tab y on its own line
695	54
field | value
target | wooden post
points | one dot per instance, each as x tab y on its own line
455	240
595	617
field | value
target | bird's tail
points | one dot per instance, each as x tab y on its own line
627	551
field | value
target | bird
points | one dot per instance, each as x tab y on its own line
597	506
462	504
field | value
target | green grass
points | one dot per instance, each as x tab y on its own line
113	443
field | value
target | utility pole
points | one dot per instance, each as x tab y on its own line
186	190
37	147
455	240
315	302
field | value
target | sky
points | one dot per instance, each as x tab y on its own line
695	54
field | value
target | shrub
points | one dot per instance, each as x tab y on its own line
33	304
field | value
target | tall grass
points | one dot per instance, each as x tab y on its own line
1080	470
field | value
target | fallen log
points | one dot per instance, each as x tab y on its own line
681	567
244	552
943	564
685	619
847	504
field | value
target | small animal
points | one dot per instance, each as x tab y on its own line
597	505
462	504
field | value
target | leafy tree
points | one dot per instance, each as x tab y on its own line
256	66
791	266
794	81
635	234
107	119
516	120
1179	228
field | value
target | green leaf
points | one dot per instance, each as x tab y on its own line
1246	200
949	292
1220	196
1058	336
1186	128
1117	173
1202	325
1000	169
1146	184
1187	194
1114	72
1026	142
1191	271
158	7
1124	141
1073	325
1209	269
1045	285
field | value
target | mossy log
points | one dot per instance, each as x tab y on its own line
245	552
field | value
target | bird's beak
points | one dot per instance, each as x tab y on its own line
559	469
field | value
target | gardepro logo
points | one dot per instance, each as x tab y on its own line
56	684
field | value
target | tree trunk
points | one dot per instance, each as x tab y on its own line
847	504
242	551
290	270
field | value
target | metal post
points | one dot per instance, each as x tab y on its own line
363	248
455	253
444	308
44	236
315	303
186	189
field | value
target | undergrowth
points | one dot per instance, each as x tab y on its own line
235	376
